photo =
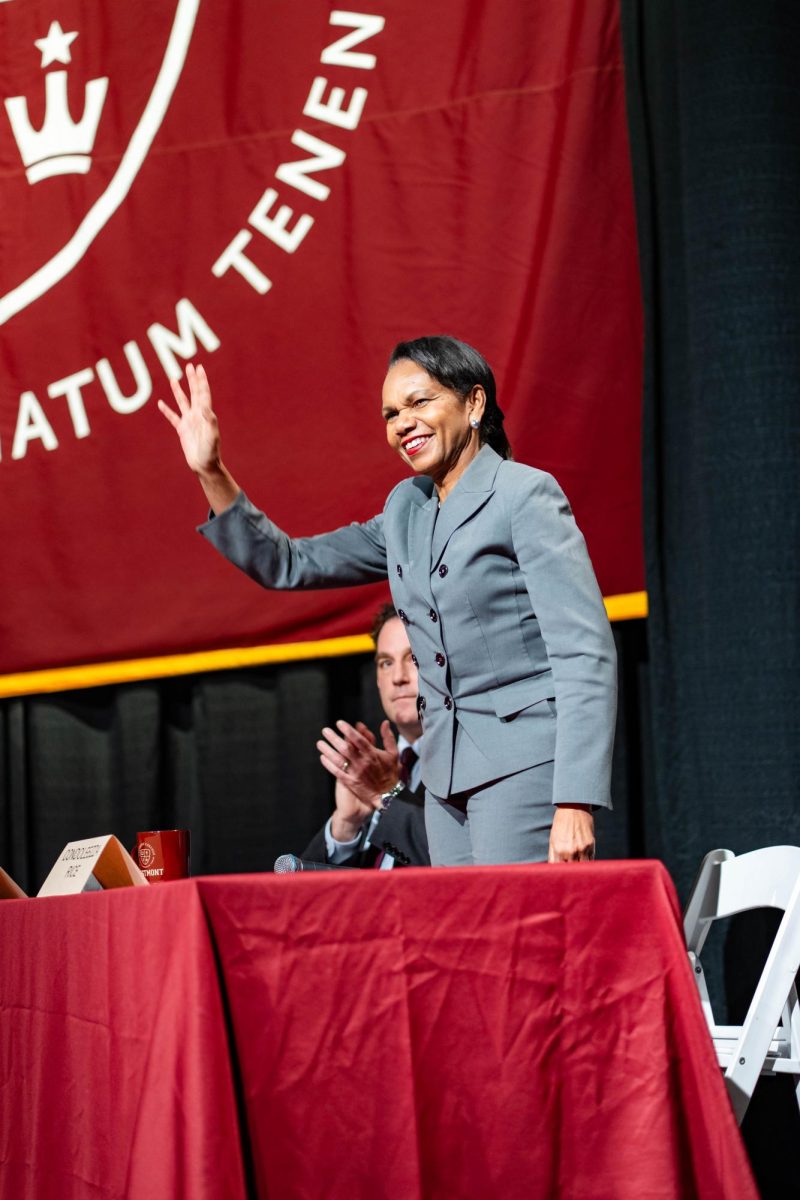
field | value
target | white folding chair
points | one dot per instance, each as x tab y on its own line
768	1042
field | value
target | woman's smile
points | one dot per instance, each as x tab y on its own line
414	444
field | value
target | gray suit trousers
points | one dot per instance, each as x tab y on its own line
505	821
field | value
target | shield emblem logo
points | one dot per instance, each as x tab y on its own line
71	143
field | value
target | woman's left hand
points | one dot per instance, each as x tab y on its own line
572	834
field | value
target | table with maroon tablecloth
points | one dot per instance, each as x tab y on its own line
463	1034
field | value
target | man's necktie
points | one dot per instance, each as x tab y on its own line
407	759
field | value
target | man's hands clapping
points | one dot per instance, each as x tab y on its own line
362	769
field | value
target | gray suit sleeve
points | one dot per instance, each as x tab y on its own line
580	646
353	554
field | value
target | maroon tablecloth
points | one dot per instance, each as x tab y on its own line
518	1032
115	1070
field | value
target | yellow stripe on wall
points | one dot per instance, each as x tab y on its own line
626	607
66	679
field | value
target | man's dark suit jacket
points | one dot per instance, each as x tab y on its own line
400	832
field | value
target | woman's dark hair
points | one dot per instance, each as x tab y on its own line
460	368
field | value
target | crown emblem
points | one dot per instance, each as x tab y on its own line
62	146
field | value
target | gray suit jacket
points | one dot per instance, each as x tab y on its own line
515	654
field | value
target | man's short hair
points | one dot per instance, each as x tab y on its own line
385	613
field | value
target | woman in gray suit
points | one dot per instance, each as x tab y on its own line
490	574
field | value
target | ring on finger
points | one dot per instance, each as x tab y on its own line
345	763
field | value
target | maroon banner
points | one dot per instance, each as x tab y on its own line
282	191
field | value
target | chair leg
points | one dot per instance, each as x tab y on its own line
738	1097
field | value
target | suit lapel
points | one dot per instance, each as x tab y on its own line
420	531
471	492
456	509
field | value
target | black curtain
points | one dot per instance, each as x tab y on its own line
230	756
714	114
715	129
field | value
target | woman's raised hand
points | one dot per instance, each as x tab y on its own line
198	430
195	422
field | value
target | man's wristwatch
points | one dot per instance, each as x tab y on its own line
388	797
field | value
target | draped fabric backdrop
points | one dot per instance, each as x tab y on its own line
283	191
715	132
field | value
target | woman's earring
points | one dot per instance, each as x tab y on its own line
475	423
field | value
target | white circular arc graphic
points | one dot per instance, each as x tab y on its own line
106	205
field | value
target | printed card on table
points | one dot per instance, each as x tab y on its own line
101	862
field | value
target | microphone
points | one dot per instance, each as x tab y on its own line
287	864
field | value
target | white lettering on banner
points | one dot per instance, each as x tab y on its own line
274	228
191	326
339	53
71	389
331	110
32	424
119	402
233	256
324	158
276	222
299	173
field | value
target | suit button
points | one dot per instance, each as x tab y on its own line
402	616
399	571
448	703
443	570
440	660
432	615
415	660
421	704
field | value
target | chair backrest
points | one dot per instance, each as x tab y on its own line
727	884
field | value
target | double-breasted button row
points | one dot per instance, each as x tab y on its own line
439	659
443	569
448	703
404	618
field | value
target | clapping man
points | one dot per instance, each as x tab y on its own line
371	778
